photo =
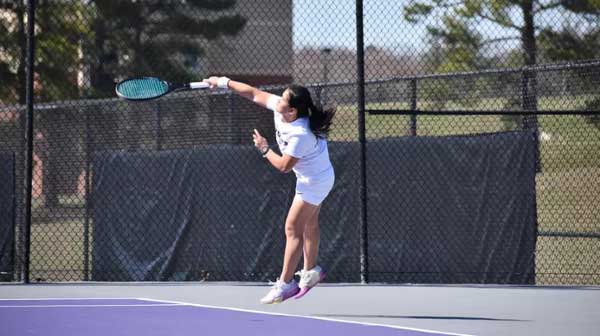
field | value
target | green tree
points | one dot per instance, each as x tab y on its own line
13	52
57	34
112	38
460	42
577	41
460	18
58	50
570	44
159	38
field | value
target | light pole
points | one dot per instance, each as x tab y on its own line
325	61
325	52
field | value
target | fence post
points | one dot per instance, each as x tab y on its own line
89	151
413	107
529	104
29	130
15	199
360	65
318	96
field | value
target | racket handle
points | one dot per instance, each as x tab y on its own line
198	85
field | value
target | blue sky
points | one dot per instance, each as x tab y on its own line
331	23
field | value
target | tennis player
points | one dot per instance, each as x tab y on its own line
301	131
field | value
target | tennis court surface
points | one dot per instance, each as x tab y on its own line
233	309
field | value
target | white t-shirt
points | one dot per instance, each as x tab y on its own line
296	139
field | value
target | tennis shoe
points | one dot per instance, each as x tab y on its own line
308	280
281	291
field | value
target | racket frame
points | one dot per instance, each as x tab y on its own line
171	87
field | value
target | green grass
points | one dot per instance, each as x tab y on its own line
346	118
57	250
567	202
571	141
69	201
567	261
574	143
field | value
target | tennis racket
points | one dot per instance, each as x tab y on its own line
145	88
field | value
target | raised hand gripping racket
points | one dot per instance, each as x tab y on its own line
144	88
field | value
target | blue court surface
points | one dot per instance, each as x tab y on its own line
350	310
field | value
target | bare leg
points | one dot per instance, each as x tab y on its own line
299	214
312	235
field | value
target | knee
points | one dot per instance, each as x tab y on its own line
293	231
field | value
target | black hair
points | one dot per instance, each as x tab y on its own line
320	119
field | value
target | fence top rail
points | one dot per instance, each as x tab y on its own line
478	112
535	68
530	68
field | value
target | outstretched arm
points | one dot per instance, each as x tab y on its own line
247	91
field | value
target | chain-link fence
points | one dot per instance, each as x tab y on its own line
474	159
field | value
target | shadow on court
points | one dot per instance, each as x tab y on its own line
424	317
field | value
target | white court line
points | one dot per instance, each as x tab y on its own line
309	317
95	306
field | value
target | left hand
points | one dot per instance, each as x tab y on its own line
259	141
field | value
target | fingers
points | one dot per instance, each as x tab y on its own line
258	139
212	81
210	84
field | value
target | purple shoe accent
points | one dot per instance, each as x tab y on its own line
305	290
290	294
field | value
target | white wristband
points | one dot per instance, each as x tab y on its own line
223	83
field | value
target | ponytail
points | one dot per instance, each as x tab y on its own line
320	119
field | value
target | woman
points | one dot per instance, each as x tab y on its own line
301	136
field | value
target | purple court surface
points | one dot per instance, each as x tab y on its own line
102	317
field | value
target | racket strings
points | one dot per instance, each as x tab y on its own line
142	88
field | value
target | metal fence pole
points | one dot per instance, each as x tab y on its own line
29	130
318	95
89	151
360	90
14	216
529	104
413	107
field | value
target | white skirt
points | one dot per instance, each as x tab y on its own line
314	190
